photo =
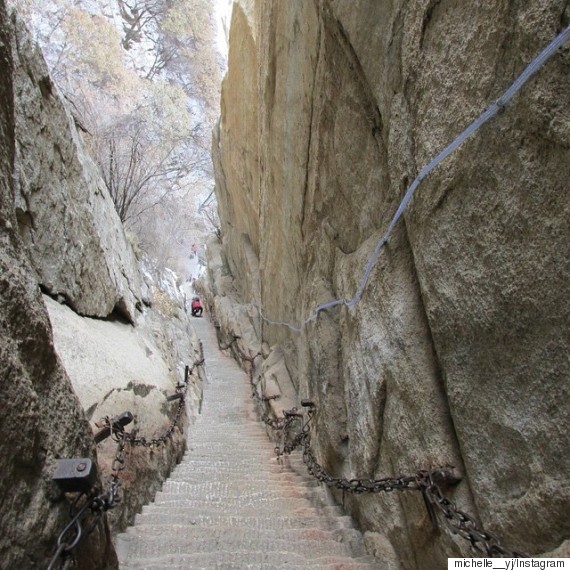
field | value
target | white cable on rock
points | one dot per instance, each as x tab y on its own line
489	113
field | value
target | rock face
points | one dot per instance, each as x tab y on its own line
457	352
41	418
66	217
114	368
59	232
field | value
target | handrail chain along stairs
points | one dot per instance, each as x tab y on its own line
432	483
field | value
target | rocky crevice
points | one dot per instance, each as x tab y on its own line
52	171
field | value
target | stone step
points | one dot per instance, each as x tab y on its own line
234	455
195	461
265	462
189	506
237	446
226	460
232	459
218	436
232	504
238	486
237	443
213	464
350	539
239	471
140	545
206	508
213	433
224	560
231	456
260	504
244	493
157	517
228	455
194	477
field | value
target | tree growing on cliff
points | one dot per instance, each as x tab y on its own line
139	174
209	212
143	78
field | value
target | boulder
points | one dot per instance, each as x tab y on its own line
116	368
75	239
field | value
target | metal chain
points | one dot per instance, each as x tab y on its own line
112	499
157	441
460	523
97	504
69	539
181	389
428	482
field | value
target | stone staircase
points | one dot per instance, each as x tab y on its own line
230	504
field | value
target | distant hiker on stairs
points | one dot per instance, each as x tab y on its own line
196	307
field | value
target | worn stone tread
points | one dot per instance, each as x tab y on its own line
223	486
230	560
252	561
142	545
267	523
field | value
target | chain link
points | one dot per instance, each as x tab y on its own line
70	538
97	504
459	522
428	482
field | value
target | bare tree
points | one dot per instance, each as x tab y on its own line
209	211
139	88
139	172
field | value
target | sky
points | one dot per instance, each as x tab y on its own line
223	16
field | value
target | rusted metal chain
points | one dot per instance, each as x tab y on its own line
428	482
98	503
69	539
459	522
181	389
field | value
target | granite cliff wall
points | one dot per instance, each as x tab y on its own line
100	341
41	416
457	351
66	217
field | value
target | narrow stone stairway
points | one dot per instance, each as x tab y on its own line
229	504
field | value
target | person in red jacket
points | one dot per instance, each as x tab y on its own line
196	307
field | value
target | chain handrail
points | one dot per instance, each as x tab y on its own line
181	389
98	503
428	482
